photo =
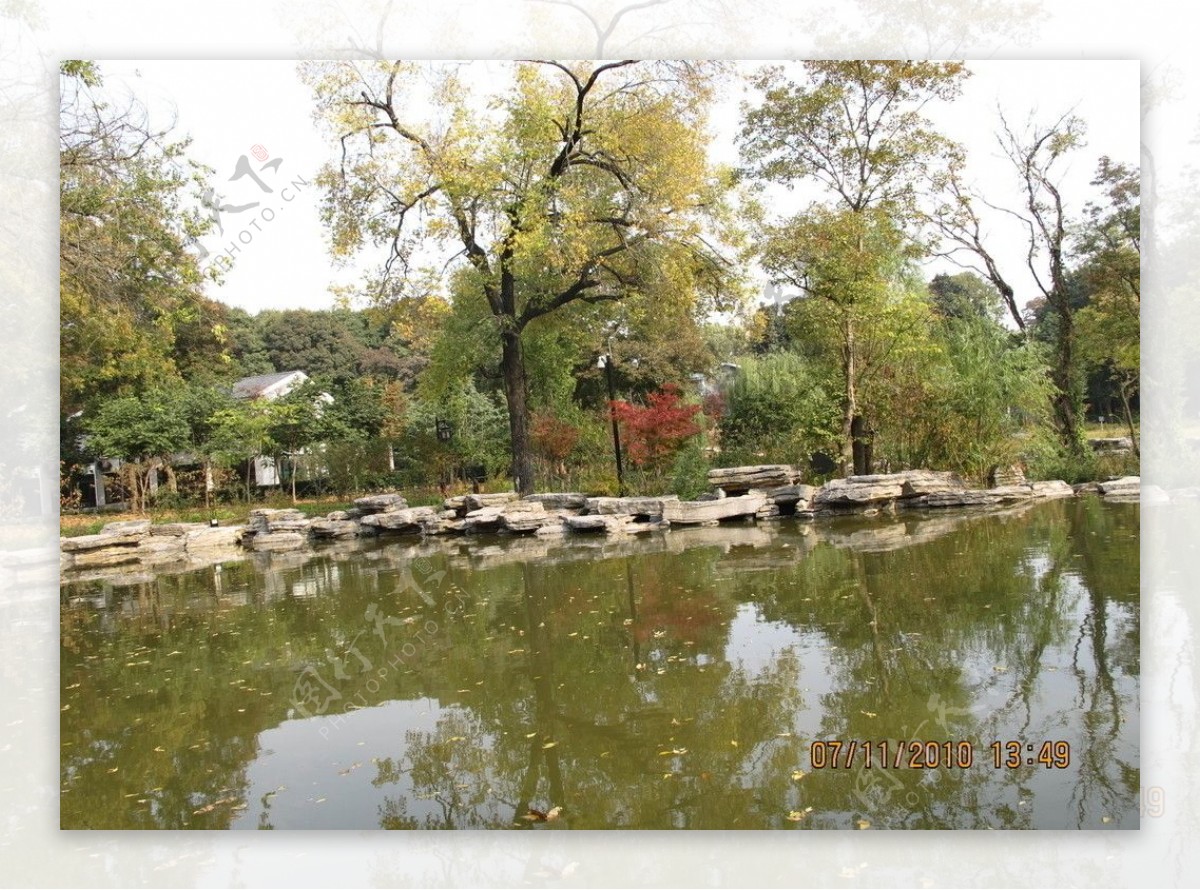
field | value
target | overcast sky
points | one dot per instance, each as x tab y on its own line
259	109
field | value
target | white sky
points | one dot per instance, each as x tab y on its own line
227	107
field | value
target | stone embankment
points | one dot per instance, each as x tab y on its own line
739	494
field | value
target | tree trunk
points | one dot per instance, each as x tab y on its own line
1066	409
850	396
293	462
512	366
861	436
1121	388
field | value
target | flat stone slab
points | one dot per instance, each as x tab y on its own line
920	482
789	495
406	520
698	512
381	503
558	500
108	556
1125	488
99	542
128	526
278	541
524	516
206	538
334	528
859	491
176	529
650	507
599	522
737	480
496	499
1053	488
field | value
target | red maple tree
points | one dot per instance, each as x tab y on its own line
652	433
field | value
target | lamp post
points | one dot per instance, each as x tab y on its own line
606	362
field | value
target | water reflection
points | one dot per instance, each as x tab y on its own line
675	681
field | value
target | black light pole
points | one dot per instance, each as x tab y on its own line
607	361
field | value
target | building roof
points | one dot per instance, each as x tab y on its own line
259	385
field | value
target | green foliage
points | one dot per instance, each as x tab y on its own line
780	408
689	475
135	428
479	425
128	283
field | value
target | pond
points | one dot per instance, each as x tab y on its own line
975	670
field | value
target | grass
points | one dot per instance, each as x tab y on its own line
1114	430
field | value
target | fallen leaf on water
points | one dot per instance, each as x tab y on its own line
530	735
863	824
797	775
553	814
549	745
868	713
734	742
1106	819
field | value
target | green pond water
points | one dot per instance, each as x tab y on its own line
673	680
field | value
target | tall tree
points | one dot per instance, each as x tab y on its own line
127	279
858	130
1037	154
1111	244
585	183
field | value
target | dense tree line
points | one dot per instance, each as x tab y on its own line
569	259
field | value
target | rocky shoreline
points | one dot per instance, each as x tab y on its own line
739	494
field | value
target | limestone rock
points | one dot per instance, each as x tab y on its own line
405	520
648	507
559	500
162	548
176	529
265	521
1126	488
922	482
599	522
278	541
1120	443
99	542
859	491
497	499
1000	477
699	512
104	556
965	498
1054	488
739	480
524	516
380	503
458	503
334	528
204	539
339	516
127	527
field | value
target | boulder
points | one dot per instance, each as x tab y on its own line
739	480
793	497
162	548
483	519
458	503
405	520
203	539
278	541
339	516
599	522
524	516
699	512
380	503
1000	477
127	527
334	528
1054	488
859	491
264	521
176	529
1126	488
552	529
440	525
965	498
105	556
496	499
100	542
651	508
559	500
921	482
